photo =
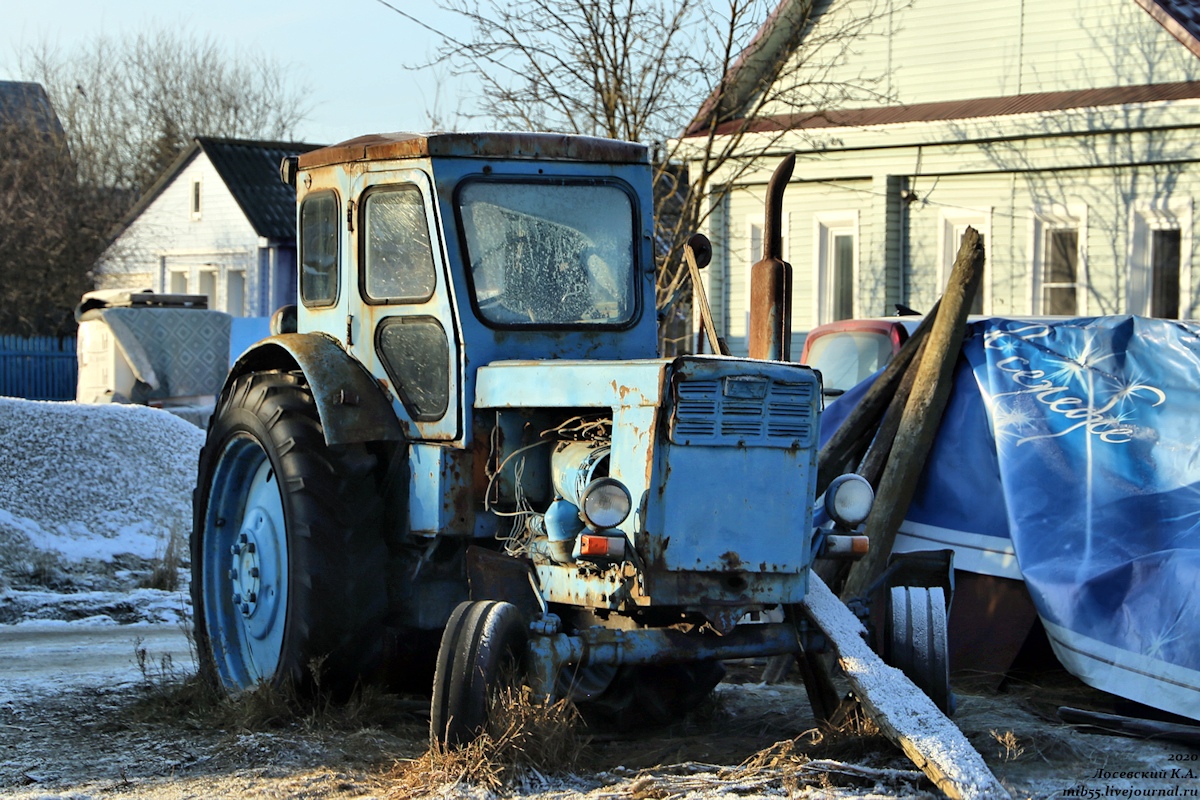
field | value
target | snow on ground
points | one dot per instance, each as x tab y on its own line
91	496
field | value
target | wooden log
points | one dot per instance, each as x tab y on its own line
876	457
922	415
902	711
855	432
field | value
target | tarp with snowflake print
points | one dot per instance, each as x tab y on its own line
1069	456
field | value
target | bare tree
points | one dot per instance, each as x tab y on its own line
129	105
641	70
51	229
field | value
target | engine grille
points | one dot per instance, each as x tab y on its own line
749	411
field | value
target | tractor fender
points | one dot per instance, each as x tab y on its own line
353	408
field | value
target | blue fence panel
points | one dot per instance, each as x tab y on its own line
38	368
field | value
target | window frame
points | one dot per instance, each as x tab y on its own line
1145	218
827	226
337	249
1043	223
364	240
636	271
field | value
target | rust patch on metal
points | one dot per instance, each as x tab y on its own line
731	560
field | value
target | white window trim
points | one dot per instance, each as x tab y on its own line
951	218
1043	220
825	225
196	198
739	325
1144	217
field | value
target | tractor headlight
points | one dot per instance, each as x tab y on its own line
849	499
605	503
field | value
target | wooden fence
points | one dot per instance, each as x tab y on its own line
38	368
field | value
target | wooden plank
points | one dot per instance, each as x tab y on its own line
922	415
902	711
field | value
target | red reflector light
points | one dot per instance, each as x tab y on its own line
593	545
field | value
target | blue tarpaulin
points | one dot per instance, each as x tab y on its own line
1069	457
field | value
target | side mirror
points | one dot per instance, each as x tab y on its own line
288	168
701	249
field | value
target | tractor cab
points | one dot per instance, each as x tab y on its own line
429	256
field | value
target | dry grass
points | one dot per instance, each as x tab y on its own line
523	736
170	695
165	573
1011	748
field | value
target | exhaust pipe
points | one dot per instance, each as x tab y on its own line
771	279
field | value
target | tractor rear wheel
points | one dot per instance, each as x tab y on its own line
482	648
287	556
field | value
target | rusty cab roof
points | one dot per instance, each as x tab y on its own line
533	146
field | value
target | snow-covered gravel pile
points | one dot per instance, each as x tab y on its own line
90	496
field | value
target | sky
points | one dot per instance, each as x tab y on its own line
350	54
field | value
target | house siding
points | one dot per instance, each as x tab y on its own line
943	50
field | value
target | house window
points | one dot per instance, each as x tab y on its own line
235	292
179	282
195	199
837	264
1164	274
954	224
1160	261
1060	262
1060	275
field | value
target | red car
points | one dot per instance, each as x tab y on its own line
848	352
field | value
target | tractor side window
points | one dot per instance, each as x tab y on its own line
416	355
550	254
397	259
319	249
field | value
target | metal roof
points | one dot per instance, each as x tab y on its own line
27	105
251	172
551	146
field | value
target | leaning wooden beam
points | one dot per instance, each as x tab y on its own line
922	415
873	462
902	711
855	432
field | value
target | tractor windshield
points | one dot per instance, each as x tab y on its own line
549	254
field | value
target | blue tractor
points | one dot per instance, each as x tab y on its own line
469	455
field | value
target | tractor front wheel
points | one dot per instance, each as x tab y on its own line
482	649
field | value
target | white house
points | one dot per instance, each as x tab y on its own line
1065	132
218	222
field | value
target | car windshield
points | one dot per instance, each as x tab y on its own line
846	358
549	254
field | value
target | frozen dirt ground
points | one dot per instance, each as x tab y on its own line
91	498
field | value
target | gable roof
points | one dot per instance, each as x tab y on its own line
250	170
24	103
778	37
